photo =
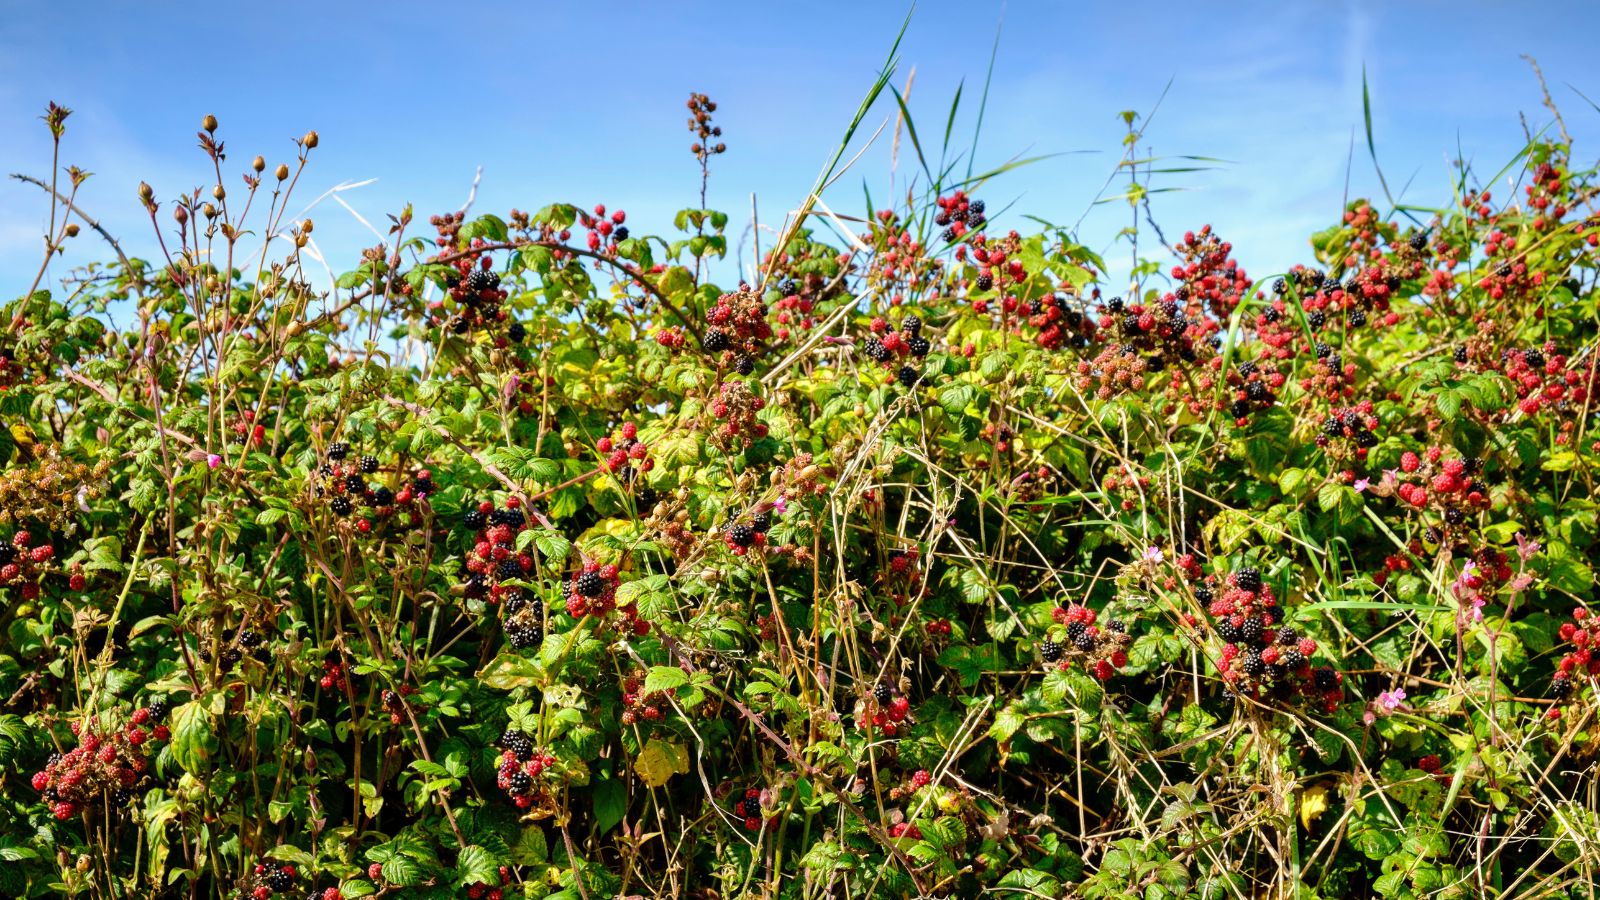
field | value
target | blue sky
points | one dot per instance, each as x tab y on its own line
584	102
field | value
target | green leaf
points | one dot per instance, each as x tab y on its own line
664	678
193	740
610	803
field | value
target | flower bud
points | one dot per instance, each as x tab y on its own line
306	227
181	213
146	192
310	140
72	230
210	210
209	123
218	192
258	164
282	172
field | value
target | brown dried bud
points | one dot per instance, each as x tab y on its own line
310	140
72	230
146	192
300	240
306	227
259	165
181	213
283	171
209	123
218	192
212	285
210	210
722	148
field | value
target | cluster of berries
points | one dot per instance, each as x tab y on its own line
905	830
104	767
247	430
334	677
792	307
1257	652
1580	663
246	639
1144	340
1451	486
736	406
270	878
1211	280
637	704
625	454
1101	650
475	287
347	484
700	109
1543	381
888	346
741	536
22	564
478	890
748	809
738	329
394	702
903	578
494	558
887	711
604	229
592	591
1059	324
1349	431
522	620
958	215
1254	389
520	765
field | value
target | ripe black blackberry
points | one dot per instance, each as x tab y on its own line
1239	409
1075	630
911	325
1228	631
1117	626
1050	651
1561	687
422	487
516	333
1453	516
1248	579
1086	642
1250	628
975	208
520	745
744	365
949	235
158	708
882	693
1358	318
519	783
368	464
474	518
250	638
1280	286
985	282
1292	658
382	496
338	450
919	347
1419	241
341	506
1250	664
1533	359
1325	679
716	340
277	879
589	584
742	535
761	521
621	234
1287	635
1504	271
1114	305
908	376
1257	391
875	350
7	553
1316	318
1203	594
483	281
509	569
355	485
523	637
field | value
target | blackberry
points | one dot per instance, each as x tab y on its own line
942	219
7	553
250	638
460	325
975	208
949	235
1453	516
1075	630
985	281
621	234
919	347
1358	318
760	522
482	281
1534	359
519	783
1251	664
510	569
422	487
976	222
1203	594
909	376
278	879
1117	626
342	506
742	535
1366	439
715	340
1085	642
1248	368
1292	658
474	518
1228	631
1248	579
1474	464
744	365
1504	271
1333	427
911	325
1257	391
1561	687
874	349
368	464
1050	651
382	496
520	745
882	693
1272	314
1325	679
523	637
516	333
355	484
1239	409
589	584
1316	318
1287	635
158	708
1280	286
1419	241
338	450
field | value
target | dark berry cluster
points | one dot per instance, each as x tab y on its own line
1578	666
395	702
700	109
521	765
23	562
1077	638
887	710
740	537
1260	654
592	591
271	878
105	766
959	215
475	287
1254	389
738	329
494	559
748	809
379	505
1349	432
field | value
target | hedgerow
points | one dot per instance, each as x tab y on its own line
530	559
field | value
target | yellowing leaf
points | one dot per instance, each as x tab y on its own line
659	761
1313	803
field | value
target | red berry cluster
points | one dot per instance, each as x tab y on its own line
604	230
334	676
22	564
903	579
1349	432
887	710
748	809
735	407
1258	652
738	329
959	215
247	429
104	767
480	891
890	347
1581	664
1543	381
625	453
475	287
520	767
1059	324
1211	280
494	557
1101	650
637	704
1451	487
905	830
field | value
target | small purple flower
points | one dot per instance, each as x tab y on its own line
1153	553
1392	700
780	505
1361	485
213	460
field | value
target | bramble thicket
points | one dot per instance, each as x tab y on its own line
539	555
